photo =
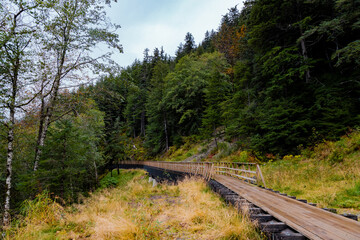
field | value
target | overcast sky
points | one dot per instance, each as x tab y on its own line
156	23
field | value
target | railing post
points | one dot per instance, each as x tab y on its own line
258	170
210	171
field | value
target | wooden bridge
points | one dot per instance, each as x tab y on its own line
245	179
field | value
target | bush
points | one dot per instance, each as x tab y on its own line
41	210
108	182
337	156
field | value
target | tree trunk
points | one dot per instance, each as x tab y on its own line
303	44
248	93
216	144
9	160
166	135
10	138
41	137
134	132
47	111
49	107
96	174
63	168
305	56
142	133
72	189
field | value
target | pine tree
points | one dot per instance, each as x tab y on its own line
158	133
216	91
189	45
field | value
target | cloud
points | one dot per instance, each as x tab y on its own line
150	24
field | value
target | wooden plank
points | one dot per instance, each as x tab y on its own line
238	169
244	163
311	221
239	176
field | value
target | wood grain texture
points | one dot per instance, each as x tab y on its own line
312	222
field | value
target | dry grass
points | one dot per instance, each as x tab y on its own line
136	210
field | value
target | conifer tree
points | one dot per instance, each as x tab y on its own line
189	44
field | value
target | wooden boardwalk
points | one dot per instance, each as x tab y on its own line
312	222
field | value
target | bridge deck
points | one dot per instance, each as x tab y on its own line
312	222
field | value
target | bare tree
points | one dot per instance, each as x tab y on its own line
70	30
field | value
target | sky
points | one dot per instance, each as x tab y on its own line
163	23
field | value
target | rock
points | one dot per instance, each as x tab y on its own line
154	183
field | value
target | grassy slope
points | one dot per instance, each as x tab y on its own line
136	210
329	175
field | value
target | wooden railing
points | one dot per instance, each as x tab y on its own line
248	172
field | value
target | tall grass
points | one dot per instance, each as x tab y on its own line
328	175
37	213
136	210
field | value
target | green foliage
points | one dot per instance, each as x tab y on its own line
354	191
71	155
108	182
184	96
336	157
216	91
348	55
283	66
158	132
118	180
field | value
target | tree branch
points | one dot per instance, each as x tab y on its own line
61	116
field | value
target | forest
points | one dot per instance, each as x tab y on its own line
275	76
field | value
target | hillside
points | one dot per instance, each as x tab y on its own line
327	174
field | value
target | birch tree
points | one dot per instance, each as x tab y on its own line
15	39
71	29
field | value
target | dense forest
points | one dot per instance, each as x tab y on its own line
276	76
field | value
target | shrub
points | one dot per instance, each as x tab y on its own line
41	210
109	182
337	156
